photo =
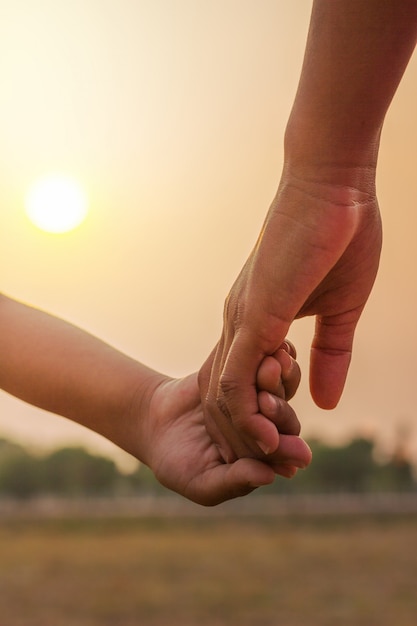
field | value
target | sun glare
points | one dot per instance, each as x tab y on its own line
56	204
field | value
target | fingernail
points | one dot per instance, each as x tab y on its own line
267	404
272	401
263	446
289	347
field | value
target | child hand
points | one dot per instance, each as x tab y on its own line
183	456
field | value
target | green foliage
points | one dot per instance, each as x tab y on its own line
341	469
67	472
76	472
19	471
351	469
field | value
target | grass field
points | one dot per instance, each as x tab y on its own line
217	572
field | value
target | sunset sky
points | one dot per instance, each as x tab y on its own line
170	115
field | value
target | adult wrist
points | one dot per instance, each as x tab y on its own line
322	154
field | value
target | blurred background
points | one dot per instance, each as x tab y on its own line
170	114
171	117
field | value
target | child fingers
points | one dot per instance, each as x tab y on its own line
279	374
269	376
293	452
289	347
279	412
290	372
285	470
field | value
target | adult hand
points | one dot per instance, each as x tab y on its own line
317	254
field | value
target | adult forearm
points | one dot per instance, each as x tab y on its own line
60	368
318	251
356	54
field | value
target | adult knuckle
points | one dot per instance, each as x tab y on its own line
228	385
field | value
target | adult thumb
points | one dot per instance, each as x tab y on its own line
330	357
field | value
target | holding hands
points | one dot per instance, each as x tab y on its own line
185	458
329	238
159	420
319	249
229	429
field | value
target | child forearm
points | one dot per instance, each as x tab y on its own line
60	368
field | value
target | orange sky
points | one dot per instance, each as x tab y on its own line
171	115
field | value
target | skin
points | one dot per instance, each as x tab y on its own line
319	248
185	459
159	420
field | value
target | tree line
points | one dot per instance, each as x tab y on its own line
352	468
67	472
73	471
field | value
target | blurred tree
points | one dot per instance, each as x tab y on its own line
345	468
351	468
74	471
19	471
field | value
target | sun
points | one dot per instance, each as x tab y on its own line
56	204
